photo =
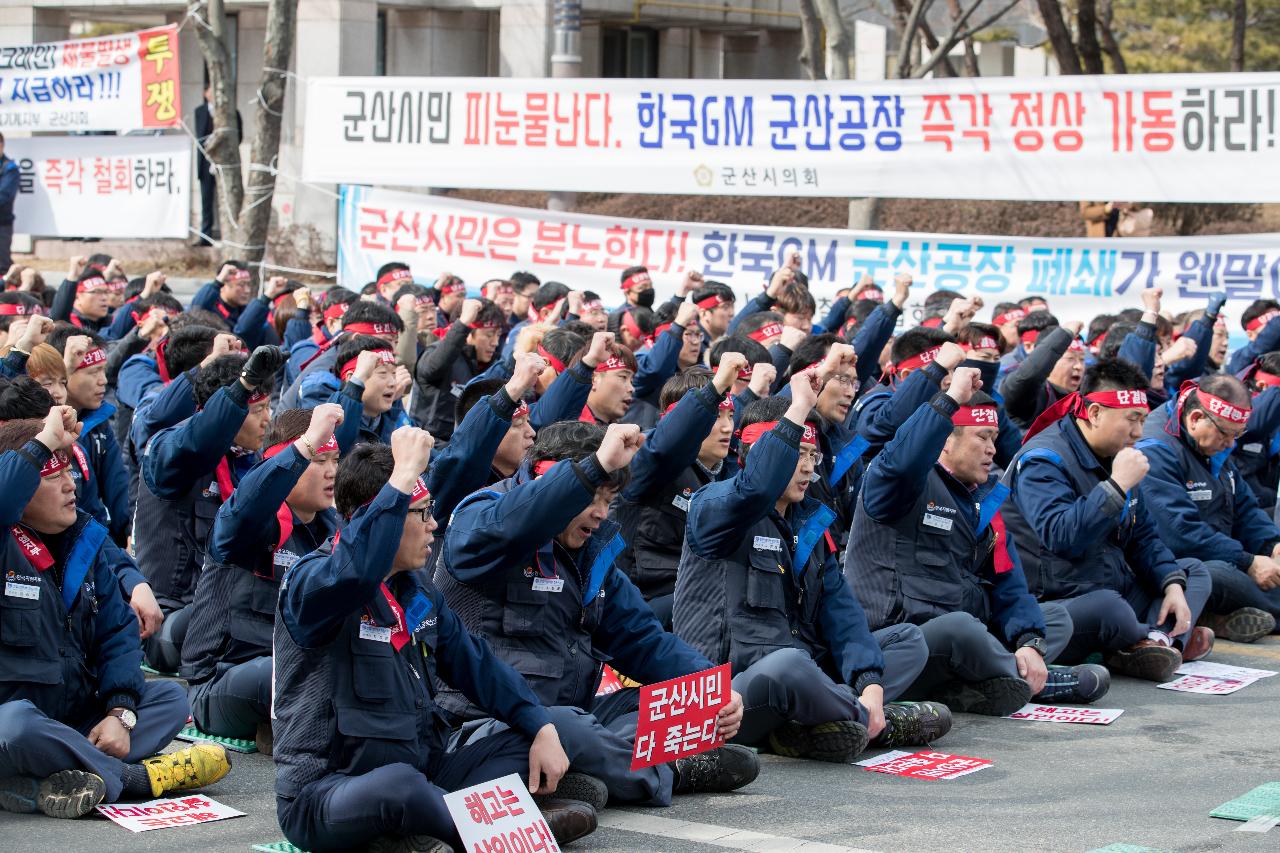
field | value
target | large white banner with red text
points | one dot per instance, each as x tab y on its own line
1080	278
1124	137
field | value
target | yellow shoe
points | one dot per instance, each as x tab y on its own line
193	767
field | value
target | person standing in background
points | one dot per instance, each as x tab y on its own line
204	172
9	179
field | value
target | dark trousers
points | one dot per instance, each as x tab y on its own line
163	649
32	744
341	812
600	743
662	607
962	648
1233	589
6	244
208	207
1107	620
235	702
788	685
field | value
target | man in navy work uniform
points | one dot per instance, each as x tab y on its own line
759	587
361	638
77	721
1203	507
1086	537
930	548
279	511
556	607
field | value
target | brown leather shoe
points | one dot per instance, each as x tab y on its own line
1146	659
569	820
1198	643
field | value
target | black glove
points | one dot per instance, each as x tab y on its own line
262	366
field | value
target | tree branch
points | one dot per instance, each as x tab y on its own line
956	36
908	36
812	57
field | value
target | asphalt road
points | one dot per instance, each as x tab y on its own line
1148	779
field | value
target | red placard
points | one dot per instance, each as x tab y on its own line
926	765
678	717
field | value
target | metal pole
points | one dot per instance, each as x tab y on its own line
566	61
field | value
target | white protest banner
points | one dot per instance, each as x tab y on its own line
113	82
1222	670
165	814
924	765
1080	278
103	186
1206	684
1170	137
499	815
1055	714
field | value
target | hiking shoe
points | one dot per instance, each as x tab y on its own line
1075	685
569	820
1246	625
408	844
994	697
264	738
914	723
65	794
1197	644
838	742
194	767
580	787
726	768
1146	659
18	794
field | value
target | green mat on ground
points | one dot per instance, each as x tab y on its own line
1264	799
151	671
1129	848
191	734
278	847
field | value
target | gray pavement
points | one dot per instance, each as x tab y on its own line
1149	779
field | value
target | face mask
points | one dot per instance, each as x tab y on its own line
645	298
988	369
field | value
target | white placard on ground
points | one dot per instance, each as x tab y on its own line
499	815
1205	684
1059	714
1222	670
166	814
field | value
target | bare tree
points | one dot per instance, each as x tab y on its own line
246	208
1106	14
959	33
812	54
970	55
839	44
1064	49
1087	36
1239	23
905	44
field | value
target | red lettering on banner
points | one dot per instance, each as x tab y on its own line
409	227
161	96
539	119
1153	118
373	228
505	235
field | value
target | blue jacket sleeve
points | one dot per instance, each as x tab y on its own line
721	513
117	648
1200	331
673	445
835	316
781	358
9	181
633	636
1177	518
63	300
1139	347
462	466
1013	606
163	406
193	448
321	590
349	398
564	399
246	522
13	365
872	337
252	325
844	625
657	365
880	418
756	304
897	476
138	375
19	479
488	530
207	296
113	486
1065	524
296	330
121	323
1264	419
316	387
1267	340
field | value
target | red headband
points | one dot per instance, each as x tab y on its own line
712	301
58	461
751	434
932	323
258	397
915	361
593	305
116	284
632	280
522	410
540	468
336	310
394	276
726	405
629	323
452	286
612	363
747	372
1211	404
1077	345
874	293
1029	336
419	492
976	416
1076	405
424	302
768	330
1013	315
97	355
240	275
487	324
1264	378
385	356
91	284
1261	320
331	444
18	309
551	359
984	342
370	328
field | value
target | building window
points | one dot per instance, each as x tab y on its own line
380	46
629	52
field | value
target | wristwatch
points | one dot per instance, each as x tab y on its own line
127	718
1034	643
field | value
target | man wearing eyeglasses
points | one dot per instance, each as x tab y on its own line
1205	509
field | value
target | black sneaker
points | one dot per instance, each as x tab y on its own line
995	697
408	844
1146	659
914	723
727	768
839	742
580	787
70	793
1075	685
18	794
1246	625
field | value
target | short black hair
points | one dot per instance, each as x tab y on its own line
1130	315
1270	363
563	344
23	397
1037	321
938	303
630	271
689	379
1027	300
714	288
473	393
1113	374
547	294
521	279
222	371
390	266
583	330
812	349
757	321
187	347
574	440
762	411
643	316
62	331
371	311
361	475
30	305
1099	326
352	345
490	314
753	350
860	310
287	426
915	341
975	332
1114	338
198	317
417	291
1256	310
